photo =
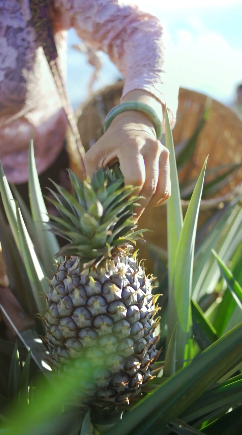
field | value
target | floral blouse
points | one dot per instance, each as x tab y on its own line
29	102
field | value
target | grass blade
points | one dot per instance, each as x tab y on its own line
179	305
47	242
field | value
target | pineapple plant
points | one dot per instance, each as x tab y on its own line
100	306
198	389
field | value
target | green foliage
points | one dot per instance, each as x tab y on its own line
199	384
48	245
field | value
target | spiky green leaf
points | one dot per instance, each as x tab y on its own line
179	305
47	242
35	274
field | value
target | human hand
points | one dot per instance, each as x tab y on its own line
143	160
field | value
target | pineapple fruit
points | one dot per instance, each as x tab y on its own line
100	305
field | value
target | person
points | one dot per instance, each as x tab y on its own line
30	105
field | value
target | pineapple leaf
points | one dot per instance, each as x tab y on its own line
100	239
226	394
123	241
138	233
15	373
66	213
84	252
25	211
181	428
58	203
174	208
224	312
116	197
19	282
31	341
78	238
119	209
225	237
89	194
107	226
61	223
129	223
47	242
233	285
86	424
170	358
179	306
73	204
33	268
9	206
59	233
78	187
230	423
121	199
203	330
62	201
104	191
228	305
24	378
97	180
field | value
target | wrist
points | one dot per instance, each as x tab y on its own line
142	96
136	120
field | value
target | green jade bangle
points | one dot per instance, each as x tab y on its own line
134	105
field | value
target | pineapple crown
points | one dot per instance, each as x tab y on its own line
97	219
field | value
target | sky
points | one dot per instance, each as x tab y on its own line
204	49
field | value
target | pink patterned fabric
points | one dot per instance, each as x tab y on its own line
29	102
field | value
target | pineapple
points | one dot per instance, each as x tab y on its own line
100	304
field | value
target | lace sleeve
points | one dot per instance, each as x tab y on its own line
133	40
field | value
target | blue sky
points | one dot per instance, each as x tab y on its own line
204	48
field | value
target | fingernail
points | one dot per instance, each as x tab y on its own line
166	197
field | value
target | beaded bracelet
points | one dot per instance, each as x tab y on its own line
135	105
